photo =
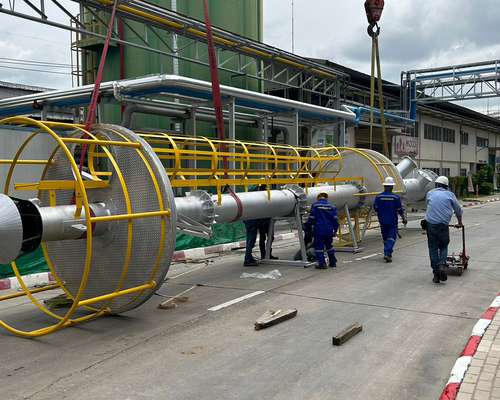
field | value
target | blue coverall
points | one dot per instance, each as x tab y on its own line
387	206
325	222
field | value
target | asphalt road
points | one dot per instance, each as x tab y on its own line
413	331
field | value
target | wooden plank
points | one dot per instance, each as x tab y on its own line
270	318
346	334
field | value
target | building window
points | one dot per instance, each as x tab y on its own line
438	133
433	132
481	142
448	135
445	171
463	172
464	138
435	170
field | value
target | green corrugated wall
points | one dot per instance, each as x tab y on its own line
243	17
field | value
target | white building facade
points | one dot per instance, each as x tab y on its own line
453	146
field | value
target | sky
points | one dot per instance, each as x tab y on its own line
415	34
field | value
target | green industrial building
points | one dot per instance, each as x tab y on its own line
241	17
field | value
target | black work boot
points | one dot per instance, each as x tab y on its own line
443	273
271	257
251	263
436	277
321	266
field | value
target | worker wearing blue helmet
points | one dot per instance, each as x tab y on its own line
388	205
324	222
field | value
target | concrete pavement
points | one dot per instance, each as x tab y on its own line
413	331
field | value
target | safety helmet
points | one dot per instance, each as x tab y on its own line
389	181
443	180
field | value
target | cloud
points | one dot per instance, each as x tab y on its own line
422	34
414	35
22	39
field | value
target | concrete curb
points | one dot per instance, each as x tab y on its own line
458	371
475	203
199	253
30	280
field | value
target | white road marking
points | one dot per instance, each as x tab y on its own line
231	302
367	257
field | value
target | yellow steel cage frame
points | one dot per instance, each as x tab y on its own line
80	187
189	162
239	163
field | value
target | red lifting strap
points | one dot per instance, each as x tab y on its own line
216	96
92	112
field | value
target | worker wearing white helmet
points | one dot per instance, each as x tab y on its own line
441	204
388	206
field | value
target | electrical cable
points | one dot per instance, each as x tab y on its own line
25	61
36	70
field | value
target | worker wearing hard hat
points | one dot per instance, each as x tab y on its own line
441	204
324	221
387	206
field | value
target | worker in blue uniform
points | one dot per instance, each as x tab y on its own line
324	221
441	204
388	205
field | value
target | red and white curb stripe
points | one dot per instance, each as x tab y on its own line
462	364
30	280
478	202
199	253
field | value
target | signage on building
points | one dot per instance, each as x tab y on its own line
403	145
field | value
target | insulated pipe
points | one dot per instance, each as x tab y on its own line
406	166
175	83
256	205
340	196
169	84
59	223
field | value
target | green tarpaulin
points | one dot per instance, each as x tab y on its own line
28	264
224	233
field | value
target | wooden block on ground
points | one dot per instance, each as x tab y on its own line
167	305
270	318
346	334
